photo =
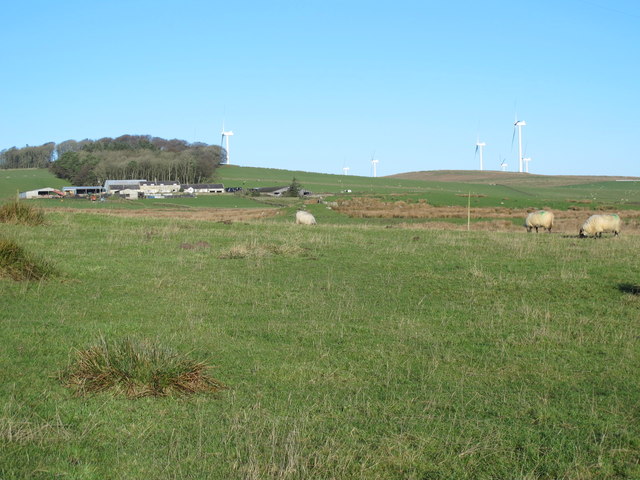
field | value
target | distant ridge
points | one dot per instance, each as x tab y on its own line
506	178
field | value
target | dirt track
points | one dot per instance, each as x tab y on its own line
206	214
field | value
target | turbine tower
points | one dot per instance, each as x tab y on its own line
479	146
373	164
519	124
226	135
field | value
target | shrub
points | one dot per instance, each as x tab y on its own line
136	368
19	212
19	265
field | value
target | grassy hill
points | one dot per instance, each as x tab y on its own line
442	188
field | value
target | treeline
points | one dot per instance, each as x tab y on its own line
27	157
91	162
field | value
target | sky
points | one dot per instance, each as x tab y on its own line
323	85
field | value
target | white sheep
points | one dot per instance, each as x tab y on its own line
304	218
596	225
539	219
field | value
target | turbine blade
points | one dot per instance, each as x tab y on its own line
513	137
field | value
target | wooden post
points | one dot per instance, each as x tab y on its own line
469	212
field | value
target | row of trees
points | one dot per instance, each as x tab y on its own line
90	162
27	157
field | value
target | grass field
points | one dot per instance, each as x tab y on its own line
351	351
490	189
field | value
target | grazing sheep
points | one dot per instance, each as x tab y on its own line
596	225
539	219
304	218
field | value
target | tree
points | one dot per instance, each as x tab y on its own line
294	188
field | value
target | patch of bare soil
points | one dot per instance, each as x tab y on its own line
213	214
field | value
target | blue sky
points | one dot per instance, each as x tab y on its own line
320	85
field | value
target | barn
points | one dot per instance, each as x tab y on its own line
203	188
46	192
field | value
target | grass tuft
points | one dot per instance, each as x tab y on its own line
19	265
137	368
20	213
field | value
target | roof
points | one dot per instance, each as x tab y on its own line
170	182
109	183
121	187
269	189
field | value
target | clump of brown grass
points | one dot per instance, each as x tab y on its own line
19	265
21	213
136	368
255	250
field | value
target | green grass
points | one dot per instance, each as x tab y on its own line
350	351
538	192
17	180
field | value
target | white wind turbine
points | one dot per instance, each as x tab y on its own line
345	170
526	164
519	124
226	135
479	146
504	165
373	164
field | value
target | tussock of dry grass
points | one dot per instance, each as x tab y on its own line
19	265
136	368
20	213
256	250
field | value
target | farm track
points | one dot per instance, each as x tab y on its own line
204	214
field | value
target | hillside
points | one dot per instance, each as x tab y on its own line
506	178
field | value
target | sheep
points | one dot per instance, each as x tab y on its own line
304	218
597	224
539	219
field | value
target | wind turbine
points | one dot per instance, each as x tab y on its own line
519	124
504	165
479	146
526	164
226	135
345	170
373	164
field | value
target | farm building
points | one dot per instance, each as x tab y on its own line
114	186
203	188
46	192
279	191
82	191
159	188
130	193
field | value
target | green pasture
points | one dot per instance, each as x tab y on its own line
350	352
540	192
